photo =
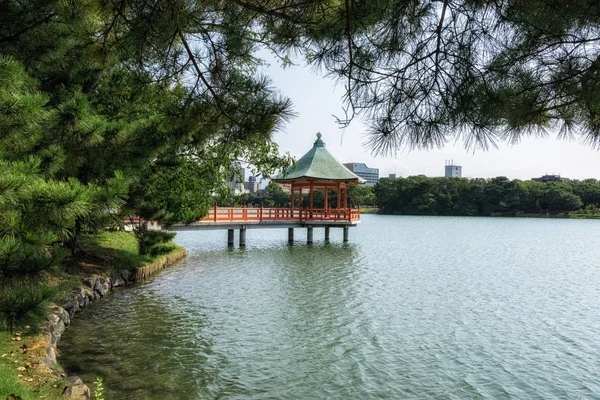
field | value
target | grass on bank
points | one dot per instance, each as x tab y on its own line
113	251
369	210
584	214
104	254
21	374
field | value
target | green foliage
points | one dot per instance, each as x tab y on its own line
99	111
99	390
119	103
154	242
360	195
559	198
419	195
278	197
37	213
590	211
23	302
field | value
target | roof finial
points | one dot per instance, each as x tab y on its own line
319	142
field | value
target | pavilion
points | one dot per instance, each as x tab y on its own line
316	170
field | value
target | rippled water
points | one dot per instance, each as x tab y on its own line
411	307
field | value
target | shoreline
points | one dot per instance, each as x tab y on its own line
522	215
95	289
46	367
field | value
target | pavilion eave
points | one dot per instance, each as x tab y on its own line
308	180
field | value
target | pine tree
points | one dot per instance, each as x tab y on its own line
121	110
40	207
36	213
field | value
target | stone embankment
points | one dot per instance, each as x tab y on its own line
93	289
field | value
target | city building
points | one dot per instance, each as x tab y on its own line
392	176
252	185
451	170
235	181
550	178
370	175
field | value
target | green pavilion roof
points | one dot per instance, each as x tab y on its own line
318	164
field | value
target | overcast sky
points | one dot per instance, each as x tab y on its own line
316	99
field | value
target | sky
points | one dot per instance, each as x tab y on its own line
316	99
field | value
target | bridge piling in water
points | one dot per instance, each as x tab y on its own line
242	236
230	237
345	234
327	234
309	235
290	235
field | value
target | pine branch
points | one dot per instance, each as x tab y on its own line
35	24
215	96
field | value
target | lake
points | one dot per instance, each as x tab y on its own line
410	307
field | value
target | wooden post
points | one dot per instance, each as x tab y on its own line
309	235
290	235
243	236
260	213
300	199
230	237
346	196
244	213
327	234
215	213
326	200
310	201
345	234
292	198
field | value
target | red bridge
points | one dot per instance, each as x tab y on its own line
260	214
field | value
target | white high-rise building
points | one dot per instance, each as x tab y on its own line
370	175
451	170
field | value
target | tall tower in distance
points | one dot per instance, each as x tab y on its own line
452	170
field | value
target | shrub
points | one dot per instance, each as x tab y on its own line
154	242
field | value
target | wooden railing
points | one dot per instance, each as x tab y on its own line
241	214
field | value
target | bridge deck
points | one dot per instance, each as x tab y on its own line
259	217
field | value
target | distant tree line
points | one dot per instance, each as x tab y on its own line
420	195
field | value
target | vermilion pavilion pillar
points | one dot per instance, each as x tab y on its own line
345	197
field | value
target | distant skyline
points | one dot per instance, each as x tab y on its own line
316	98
